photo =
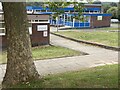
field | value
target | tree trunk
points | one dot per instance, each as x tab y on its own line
20	65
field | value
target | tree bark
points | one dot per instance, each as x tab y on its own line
20	65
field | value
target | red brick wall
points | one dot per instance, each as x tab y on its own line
37	37
37	17
105	22
92	6
3	42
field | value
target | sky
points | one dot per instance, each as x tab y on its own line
104	0
85	1
109	0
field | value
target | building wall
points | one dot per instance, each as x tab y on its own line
3	41
105	22
37	17
37	37
89	6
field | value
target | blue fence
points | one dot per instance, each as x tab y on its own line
69	23
53	22
78	24
81	24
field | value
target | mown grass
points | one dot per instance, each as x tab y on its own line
98	77
3	57
108	28
53	52
106	38
46	52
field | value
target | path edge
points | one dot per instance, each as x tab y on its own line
89	43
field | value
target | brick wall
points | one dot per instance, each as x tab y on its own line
37	37
105	22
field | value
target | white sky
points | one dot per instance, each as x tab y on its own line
85	1
109	0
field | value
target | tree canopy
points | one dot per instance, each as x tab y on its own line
113	11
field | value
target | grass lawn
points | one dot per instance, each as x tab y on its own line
98	77
103	37
53	52
108	28
46	52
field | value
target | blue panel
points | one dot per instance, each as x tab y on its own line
104	14
87	24
76	24
81	24
69	8
92	14
29	7
43	13
47	8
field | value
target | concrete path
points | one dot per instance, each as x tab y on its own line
97	56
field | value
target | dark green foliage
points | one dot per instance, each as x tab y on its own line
113	11
105	7
97	2
34	3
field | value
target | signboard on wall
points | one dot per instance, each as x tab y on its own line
30	30
42	27
45	34
99	17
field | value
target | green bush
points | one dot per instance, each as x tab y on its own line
113	11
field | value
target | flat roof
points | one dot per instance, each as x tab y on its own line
93	4
91	14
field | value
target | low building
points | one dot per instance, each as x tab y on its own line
39	29
92	13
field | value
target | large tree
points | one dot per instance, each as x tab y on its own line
90	1
20	65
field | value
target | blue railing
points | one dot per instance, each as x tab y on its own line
69	23
53	22
81	24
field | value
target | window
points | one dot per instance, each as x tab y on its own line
38	10
36	20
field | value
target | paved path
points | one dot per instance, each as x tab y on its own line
97	56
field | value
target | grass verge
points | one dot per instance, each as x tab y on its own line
106	38
98	77
108	28
46	52
53	52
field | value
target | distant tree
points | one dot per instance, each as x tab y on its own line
78	7
34	4
113	4
97	2
57	7
113	11
106	7
90	1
